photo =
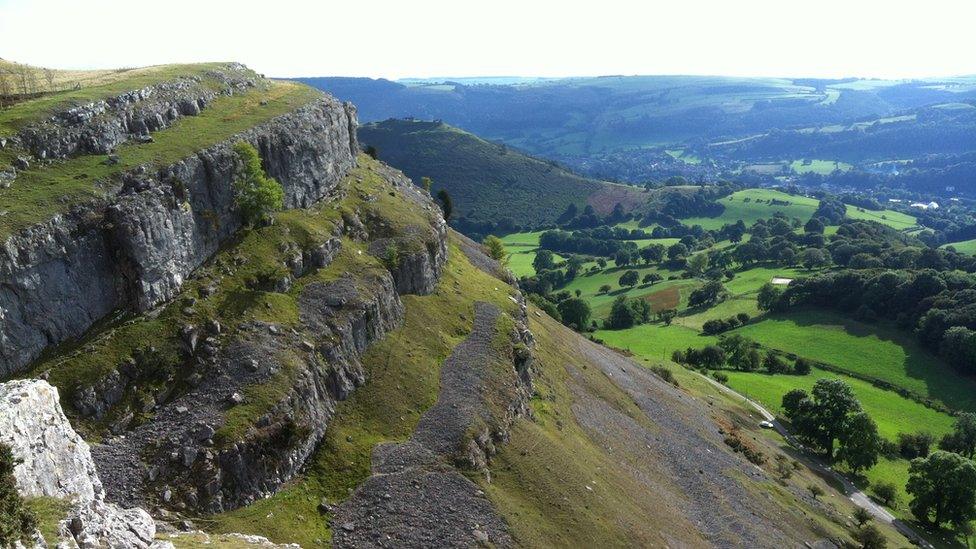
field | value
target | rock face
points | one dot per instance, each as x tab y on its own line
134	248
180	460
57	463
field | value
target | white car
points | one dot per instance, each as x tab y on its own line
766	424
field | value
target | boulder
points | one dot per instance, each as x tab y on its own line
57	462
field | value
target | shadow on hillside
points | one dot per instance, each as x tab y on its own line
942	382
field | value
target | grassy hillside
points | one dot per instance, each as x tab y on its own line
489	183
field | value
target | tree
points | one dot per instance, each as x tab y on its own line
447	206
913	445
711	357
886	492
622	258
814	226
17	522
870	537
629	278
371	152
652	253
768	296
426	183
677	251
802	366
813	258
774	364
49	78
697	264
962	439
651	278
544	261
710	293
495	248
605	289
860	443
575	313
943	488
740	352
822	417
257	195
621	314
861	516
667	316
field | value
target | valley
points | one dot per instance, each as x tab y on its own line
527	276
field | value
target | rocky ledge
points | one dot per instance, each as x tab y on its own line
98	127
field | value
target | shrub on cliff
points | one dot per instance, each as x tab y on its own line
258	196
17	522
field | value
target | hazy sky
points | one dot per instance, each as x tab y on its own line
393	39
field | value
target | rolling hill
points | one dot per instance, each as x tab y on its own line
493	187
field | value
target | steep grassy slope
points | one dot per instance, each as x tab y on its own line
489	183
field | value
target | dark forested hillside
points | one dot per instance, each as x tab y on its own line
493	188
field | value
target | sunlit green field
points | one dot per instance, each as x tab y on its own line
964	247
892	412
891	218
822	167
866	350
751	205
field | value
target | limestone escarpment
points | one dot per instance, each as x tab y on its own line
134	248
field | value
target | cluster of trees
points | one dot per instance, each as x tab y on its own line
739	353
716	326
579	243
626	313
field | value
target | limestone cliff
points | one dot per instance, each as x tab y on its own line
134	247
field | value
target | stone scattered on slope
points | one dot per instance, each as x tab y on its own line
416	496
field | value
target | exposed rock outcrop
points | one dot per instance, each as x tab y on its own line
135	248
182	458
57	463
100	126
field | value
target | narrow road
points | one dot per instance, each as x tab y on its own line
857	496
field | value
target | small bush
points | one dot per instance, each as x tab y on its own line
17	522
258	196
665	374
815	491
720	377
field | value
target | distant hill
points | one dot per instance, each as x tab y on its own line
758	130
493	187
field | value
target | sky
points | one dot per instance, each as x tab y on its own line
429	38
